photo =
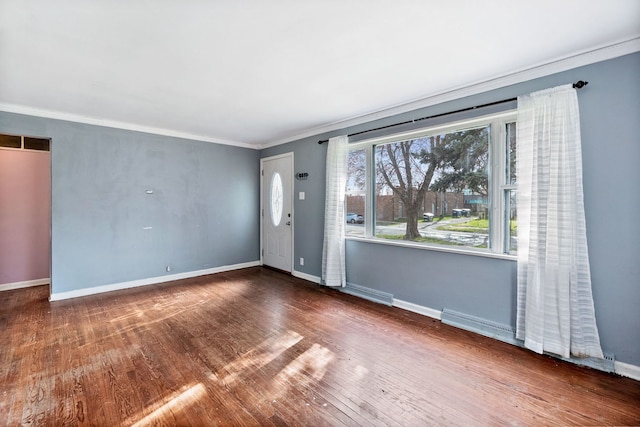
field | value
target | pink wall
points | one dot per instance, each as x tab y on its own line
25	206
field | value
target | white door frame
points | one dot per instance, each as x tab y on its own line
293	222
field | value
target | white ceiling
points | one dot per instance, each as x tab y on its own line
257	73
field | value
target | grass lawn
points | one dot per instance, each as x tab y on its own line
477	225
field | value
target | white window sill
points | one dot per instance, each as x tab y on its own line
454	250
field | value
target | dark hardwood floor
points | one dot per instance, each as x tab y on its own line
257	347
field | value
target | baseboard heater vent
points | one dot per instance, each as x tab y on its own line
479	325
368	293
608	364
508	334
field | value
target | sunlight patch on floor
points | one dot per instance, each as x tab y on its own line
174	403
180	302
259	356
305	370
360	372
314	362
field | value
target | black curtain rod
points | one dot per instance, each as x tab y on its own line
577	85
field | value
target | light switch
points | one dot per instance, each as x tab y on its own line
301	195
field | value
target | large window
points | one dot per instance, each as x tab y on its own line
450	186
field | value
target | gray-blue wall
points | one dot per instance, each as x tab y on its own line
485	287
106	229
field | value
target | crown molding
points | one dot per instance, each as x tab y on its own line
57	115
591	56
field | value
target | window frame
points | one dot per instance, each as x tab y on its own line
498	184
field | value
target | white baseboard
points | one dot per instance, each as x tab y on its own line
24	284
57	296
305	276
409	306
627	370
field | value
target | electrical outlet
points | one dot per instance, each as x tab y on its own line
301	261
168	268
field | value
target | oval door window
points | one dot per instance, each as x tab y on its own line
277	201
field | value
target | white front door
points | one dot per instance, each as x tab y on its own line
277	212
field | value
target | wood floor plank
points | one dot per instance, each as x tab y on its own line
256	347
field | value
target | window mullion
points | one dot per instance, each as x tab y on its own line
369	221
498	165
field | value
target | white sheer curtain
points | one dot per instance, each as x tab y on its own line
555	305
333	252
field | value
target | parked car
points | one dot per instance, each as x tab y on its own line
427	217
457	213
354	218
